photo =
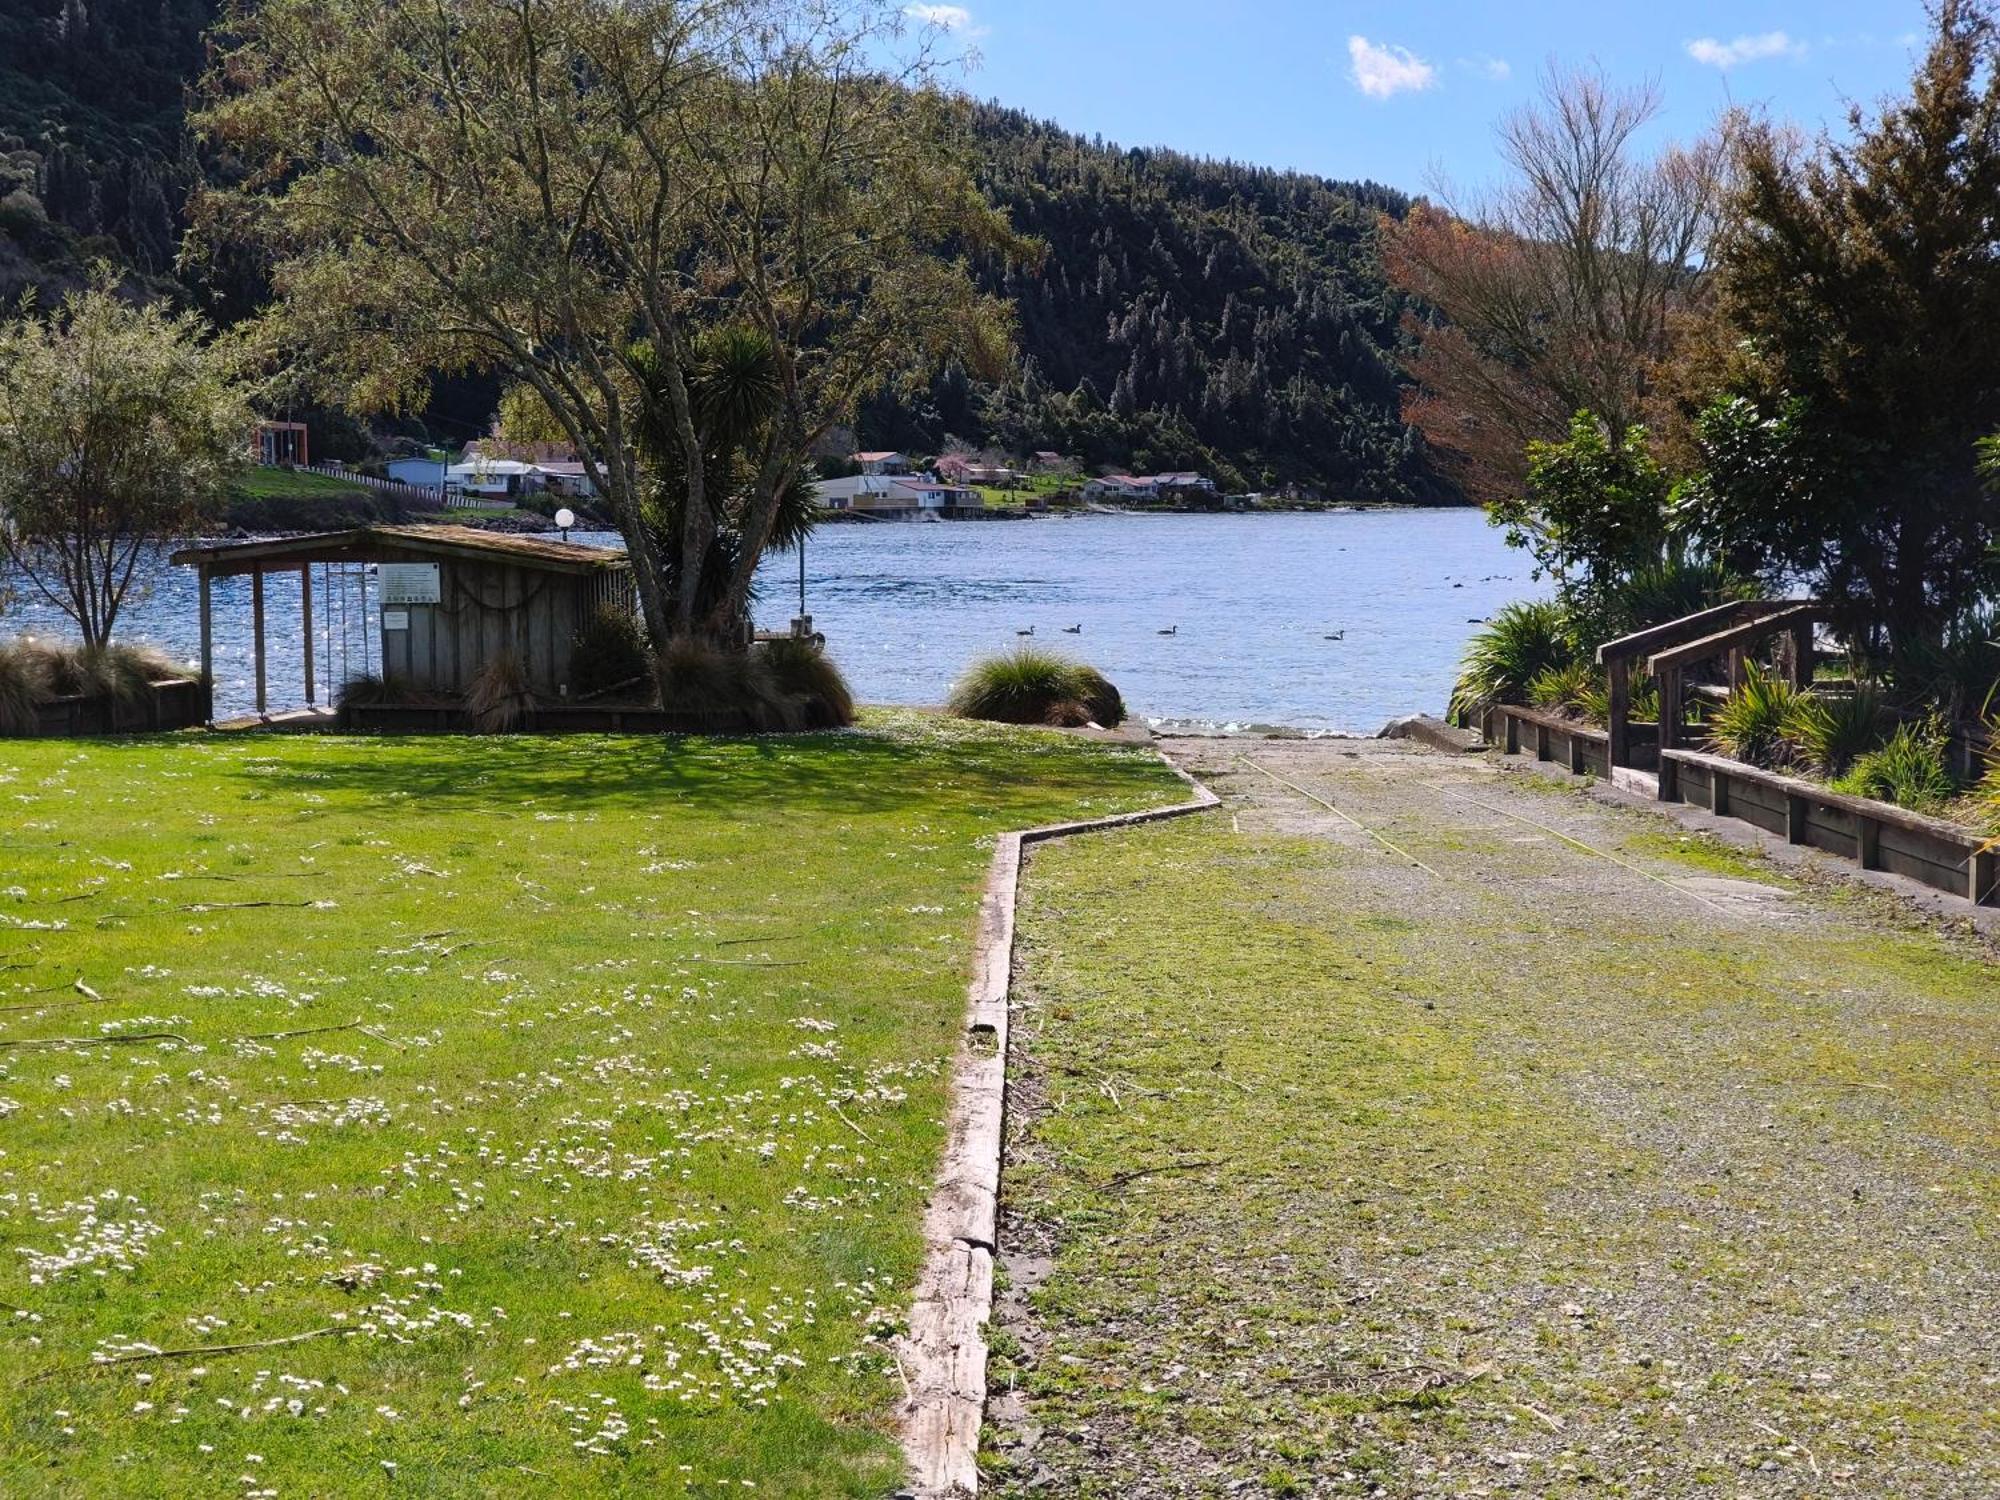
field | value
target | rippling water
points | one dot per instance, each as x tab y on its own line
904	607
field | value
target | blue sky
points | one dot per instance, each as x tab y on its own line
1394	91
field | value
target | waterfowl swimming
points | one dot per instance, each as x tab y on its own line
1029	631
1072	630
1171	630
1338	635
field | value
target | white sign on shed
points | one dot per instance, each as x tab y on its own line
409	583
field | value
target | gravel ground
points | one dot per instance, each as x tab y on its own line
1488	1165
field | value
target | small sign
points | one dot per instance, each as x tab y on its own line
409	583
395	619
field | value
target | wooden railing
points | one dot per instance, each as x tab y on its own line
1876	835
428	494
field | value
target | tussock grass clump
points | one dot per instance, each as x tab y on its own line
36	672
1501	661
1909	769
1031	686
499	699
803	671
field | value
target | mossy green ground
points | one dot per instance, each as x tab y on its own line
1538	1176
612	1092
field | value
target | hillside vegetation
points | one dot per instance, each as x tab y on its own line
1187	314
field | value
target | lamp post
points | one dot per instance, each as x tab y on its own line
565	518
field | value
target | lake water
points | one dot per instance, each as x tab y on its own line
1250	599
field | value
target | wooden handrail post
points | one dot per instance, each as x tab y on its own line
1803	665
1670	708
1620	672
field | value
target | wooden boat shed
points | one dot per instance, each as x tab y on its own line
443	600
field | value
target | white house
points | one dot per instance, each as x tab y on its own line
493	478
882	463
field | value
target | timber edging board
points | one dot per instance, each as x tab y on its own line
1875	835
943	1357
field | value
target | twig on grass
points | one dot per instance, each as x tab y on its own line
204	906
90	997
330	1331
280	1036
748	963
1173	1166
835	1107
95	1041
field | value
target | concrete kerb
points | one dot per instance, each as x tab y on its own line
943	1356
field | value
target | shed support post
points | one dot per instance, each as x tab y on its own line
306	620
1669	779
1795	820
1513	732
1541	742
1620	672
257	629
207	649
1868	843
1577	764
1718	791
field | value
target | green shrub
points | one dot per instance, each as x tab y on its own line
1828	733
1670	590
1575	689
1753	723
1032	686
1520	643
1986	797
1909	769
609	653
725	692
805	672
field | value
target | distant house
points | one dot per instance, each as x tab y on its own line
425	472
569	478
493	478
953	466
897	496
1120	489
1135	489
882	463
278	443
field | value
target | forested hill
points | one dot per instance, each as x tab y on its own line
1190	313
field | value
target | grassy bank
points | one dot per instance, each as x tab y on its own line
1525	1173
567	1104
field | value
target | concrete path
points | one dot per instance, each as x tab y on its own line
1416	1127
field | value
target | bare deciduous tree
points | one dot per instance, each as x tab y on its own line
1561	292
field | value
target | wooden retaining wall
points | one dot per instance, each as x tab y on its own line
1548	736
1875	835
178	703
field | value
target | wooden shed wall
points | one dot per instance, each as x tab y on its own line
486	608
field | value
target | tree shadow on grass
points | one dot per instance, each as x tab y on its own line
849	773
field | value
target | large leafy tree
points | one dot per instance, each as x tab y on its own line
1563	292
1861	283
117	423
583	194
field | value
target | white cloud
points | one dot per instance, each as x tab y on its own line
1744	49
1498	69
945	17
1382	70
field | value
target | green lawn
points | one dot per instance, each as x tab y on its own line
587	1090
289	484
